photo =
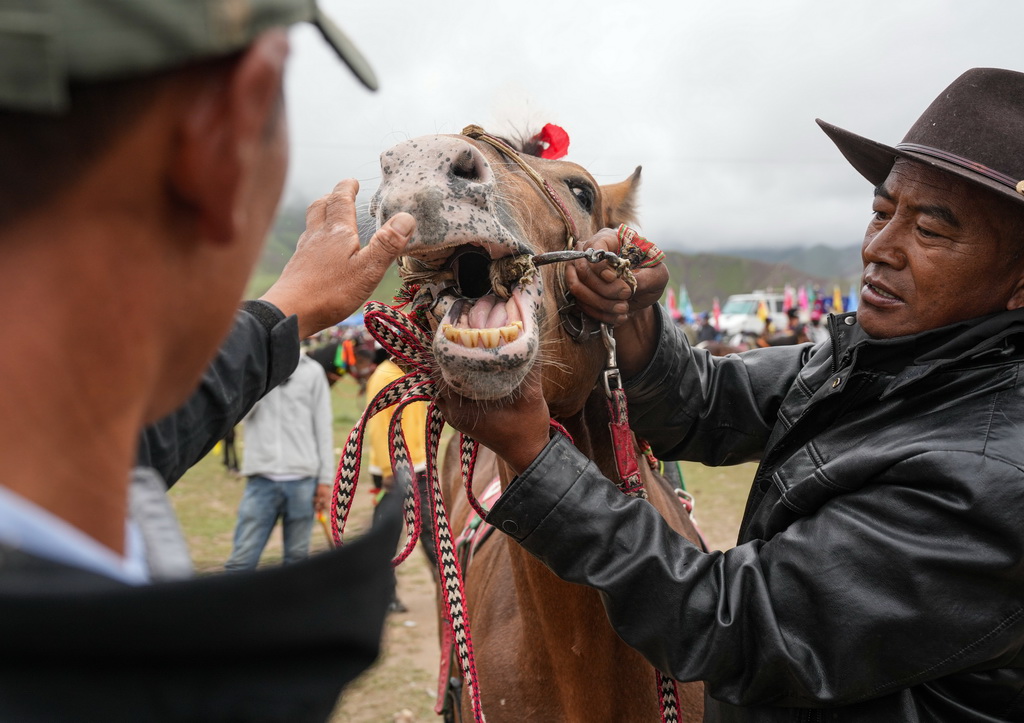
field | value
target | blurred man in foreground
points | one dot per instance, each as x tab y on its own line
144	149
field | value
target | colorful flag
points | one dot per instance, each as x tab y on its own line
837	300
670	302
685	305
851	301
716	311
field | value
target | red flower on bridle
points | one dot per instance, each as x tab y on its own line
553	140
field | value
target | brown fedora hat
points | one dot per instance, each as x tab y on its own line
974	130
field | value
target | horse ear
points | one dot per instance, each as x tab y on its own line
619	201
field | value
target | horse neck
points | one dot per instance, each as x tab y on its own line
566	624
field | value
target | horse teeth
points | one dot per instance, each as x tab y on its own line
486	338
490	338
469	337
450	332
511	332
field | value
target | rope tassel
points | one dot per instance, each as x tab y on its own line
410	346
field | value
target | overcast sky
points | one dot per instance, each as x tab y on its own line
716	100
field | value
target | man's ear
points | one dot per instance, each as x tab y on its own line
223	126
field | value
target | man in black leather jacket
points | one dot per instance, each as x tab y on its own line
879	571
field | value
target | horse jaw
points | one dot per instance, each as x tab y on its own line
473	348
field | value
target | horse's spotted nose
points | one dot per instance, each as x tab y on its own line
417	174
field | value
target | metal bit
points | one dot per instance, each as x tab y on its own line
592	255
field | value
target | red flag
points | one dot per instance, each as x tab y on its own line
670	302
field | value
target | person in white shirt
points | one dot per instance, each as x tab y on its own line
288	459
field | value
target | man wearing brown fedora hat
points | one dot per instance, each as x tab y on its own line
878	574
144	150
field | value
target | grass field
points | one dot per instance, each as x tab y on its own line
402	684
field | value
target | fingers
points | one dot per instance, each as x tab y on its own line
603	301
386	245
600	291
337	207
322	498
341	204
650	285
488	422
329	275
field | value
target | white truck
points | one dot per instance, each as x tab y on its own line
739	313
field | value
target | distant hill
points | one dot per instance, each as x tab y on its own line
841	263
705	275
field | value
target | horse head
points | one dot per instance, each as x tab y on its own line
481	214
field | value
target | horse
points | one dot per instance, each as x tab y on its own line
544	649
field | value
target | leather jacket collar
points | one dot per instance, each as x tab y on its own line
913	357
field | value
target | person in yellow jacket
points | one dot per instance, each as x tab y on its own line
414	424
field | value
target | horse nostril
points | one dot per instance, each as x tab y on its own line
466	166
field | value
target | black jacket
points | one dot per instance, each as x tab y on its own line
257	356
879	574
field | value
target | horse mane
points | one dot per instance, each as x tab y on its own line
526	142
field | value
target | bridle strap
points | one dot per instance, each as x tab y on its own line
477	133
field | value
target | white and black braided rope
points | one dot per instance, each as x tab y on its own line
407	343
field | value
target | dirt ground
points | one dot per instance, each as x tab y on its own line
402	685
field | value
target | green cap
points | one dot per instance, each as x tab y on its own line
47	44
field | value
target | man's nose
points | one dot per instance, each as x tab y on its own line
886	245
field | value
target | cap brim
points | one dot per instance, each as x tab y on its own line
345	49
874	160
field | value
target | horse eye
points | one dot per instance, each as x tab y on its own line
584	194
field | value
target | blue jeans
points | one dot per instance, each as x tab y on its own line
263	502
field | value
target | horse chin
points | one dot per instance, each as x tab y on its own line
485	347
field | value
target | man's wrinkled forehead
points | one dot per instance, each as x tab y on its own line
942	191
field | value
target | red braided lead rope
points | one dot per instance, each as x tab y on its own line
406	342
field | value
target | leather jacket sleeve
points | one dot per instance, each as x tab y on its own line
823	613
691	405
251	361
